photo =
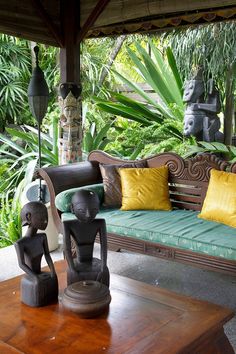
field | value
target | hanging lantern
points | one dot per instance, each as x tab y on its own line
38	92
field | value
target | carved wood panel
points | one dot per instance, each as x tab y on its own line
190	176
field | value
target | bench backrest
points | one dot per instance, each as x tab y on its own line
188	178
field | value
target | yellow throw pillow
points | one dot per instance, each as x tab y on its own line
220	202
145	188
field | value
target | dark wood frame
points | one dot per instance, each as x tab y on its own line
188	182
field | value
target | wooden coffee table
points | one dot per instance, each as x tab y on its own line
141	319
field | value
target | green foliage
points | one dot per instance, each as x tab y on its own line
211	47
94	58
96	140
123	61
173	66
10	223
229	152
49	63
131	140
156	120
126	139
21	162
19	148
161	78
16	60
18	157
14	75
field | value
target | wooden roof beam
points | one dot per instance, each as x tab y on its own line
98	9
47	20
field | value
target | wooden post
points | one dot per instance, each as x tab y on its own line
229	104
70	127
70	52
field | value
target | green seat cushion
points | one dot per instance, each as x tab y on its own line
176	228
63	199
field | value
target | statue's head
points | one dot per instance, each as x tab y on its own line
70	108
85	205
194	88
34	214
193	124
68	101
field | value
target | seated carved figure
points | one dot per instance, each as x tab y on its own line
85	206
37	288
200	119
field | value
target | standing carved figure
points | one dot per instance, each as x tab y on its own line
200	119
70	129
83	231
37	288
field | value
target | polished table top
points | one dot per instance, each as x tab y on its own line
141	319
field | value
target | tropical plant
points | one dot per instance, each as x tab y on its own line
131	140
16	62
96	140
229	152
126	139
10	224
14	74
21	157
165	81
18	157
162	75
95	72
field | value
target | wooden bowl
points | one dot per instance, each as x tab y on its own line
87	298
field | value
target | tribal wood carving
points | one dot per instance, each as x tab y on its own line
196	168
70	128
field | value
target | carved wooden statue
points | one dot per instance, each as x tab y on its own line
70	130
83	231
37	288
200	119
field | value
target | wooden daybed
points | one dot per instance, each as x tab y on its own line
188	182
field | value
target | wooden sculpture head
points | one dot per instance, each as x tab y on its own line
85	205
35	215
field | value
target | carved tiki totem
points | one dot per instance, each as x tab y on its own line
70	126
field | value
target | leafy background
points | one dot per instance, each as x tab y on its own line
128	126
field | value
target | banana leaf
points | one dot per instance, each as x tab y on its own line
220	147
43	135
123	111
101	135
147	113
29	138
103	144
138	90
11	143
154	77
136	152
88	142
233	149
175	71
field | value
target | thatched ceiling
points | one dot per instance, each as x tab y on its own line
40	20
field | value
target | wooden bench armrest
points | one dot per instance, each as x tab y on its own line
60	178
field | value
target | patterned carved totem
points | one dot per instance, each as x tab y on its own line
70	126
